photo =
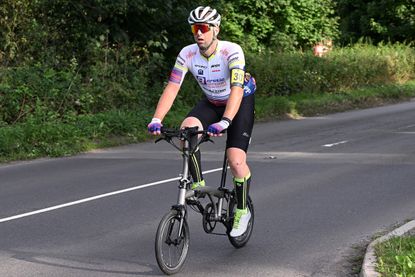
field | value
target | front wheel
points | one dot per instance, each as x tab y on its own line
172	242
240	241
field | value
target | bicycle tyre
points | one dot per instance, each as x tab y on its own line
242	240
167	236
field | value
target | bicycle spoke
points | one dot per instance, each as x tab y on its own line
171	247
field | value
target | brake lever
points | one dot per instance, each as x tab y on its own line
166	138
205	138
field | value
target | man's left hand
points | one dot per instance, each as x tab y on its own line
217	129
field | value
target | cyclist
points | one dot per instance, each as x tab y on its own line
219	68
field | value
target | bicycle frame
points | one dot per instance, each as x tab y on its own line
184	183
212	213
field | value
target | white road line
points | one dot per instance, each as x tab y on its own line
408	133
80	201
336	143
406	127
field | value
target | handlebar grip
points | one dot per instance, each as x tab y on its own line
165	130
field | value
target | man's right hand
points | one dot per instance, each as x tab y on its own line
154	127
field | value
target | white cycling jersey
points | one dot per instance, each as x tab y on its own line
214	73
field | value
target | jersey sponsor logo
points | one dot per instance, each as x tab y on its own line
220	80
210	86
201	66
234	59
200	72
245	134
218	91
201	79
215	67
232	55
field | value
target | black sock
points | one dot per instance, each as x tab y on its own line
242	190
194	166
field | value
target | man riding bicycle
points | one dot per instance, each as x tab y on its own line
219	68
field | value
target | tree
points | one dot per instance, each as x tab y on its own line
279	25
380	20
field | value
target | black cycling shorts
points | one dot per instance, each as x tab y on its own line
240	131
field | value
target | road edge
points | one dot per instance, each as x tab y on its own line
369	261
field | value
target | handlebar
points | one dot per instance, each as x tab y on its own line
184	134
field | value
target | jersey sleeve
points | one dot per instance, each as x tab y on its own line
179	70
236	62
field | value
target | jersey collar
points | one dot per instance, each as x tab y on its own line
217	49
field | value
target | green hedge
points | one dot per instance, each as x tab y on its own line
36	138
46	93
342	69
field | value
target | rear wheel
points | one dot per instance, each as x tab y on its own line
242	240
171	246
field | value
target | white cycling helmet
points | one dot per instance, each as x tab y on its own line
204	15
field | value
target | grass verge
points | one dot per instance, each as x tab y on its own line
313	104
396	257
36	138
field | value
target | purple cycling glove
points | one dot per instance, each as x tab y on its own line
154	126
217	128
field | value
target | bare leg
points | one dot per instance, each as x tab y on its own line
237	162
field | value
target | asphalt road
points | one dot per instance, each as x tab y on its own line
321	186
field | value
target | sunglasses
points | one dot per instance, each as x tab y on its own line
203	28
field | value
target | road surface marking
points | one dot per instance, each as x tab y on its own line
80	201
336	143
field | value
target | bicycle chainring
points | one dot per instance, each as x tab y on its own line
209	222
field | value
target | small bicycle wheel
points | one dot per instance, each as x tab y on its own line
243	239
171	247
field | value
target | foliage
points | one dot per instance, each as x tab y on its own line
342	69
312	104
55	32
279	25
15	29
48	94
36	138
32	139
384	20
396	257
